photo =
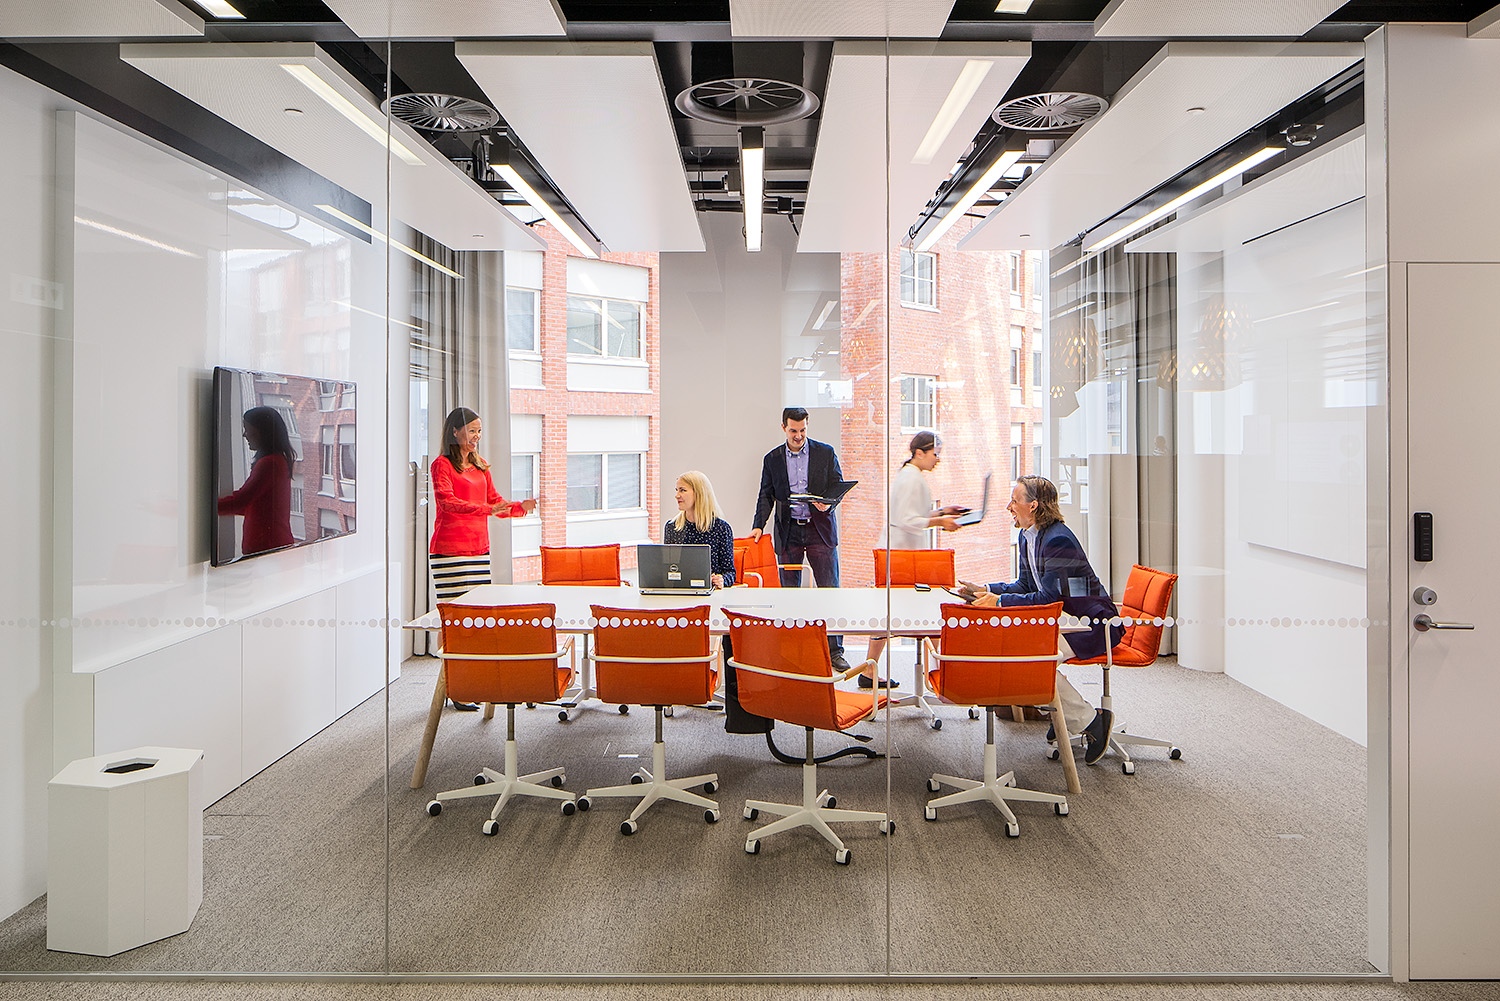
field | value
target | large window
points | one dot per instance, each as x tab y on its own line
521	319
328	456
523	471
918	402
347	452
604	328
918	279
604	481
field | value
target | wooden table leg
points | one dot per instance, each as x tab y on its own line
1065	746
424	753
1017	714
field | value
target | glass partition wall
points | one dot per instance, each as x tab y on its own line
735	307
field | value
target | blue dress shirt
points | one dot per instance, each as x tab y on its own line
796	474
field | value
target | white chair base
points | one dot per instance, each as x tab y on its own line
1119	740
994	788
816	811
510	784
652	785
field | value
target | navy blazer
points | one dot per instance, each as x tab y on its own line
1063	574
823	473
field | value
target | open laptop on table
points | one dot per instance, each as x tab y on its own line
972	517
673	569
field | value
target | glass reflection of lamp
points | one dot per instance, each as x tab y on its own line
1074	351
1210	361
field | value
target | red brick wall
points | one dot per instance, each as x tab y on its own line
556	403
965	343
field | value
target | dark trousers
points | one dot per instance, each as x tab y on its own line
824	561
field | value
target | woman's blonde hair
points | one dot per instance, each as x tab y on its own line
705	508
1041	490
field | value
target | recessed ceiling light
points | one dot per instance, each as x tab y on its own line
1013	7
1025	236
292	111
1196	111
220	8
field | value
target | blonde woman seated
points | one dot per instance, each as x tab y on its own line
698	524
911	515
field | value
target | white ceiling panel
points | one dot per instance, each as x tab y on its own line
839	18
846	198
96	18
1331	176
1149	134
248	86
1208	18
595	116
450	18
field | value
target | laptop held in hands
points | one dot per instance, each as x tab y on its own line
972	517
834	495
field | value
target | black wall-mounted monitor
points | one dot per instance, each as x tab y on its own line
284	462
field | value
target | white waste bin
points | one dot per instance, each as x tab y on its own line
124	849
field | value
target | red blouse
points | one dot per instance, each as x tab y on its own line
463	501
265	499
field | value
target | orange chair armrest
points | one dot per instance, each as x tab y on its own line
563	651
790	676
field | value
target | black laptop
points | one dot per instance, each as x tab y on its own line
673	569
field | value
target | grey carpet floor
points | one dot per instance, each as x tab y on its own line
1241	857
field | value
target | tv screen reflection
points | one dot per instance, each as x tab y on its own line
284	462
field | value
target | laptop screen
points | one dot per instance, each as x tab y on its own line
673	567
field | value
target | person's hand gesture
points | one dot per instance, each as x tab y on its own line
755	534
528	505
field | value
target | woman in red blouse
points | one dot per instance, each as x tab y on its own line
464	499
265	498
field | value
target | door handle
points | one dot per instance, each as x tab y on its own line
1424	622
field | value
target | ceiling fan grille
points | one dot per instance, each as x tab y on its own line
441	112
747	101
1047	112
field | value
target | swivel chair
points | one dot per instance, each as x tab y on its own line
582	566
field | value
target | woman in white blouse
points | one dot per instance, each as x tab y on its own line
911	515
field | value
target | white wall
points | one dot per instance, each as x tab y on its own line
725	316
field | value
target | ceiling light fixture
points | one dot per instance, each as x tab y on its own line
377	235
823	316
986	181
1181	200
367	124
964	88
220	8
753	172
105	227
1013	7
508	174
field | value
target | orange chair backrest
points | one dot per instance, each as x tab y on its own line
502	629
1014	631
757	557
1148	592
582	565
671	632
915	566
795	649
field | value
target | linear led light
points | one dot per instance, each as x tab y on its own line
375	234
220	8
823	316
537	202
378	316
308	77
971	196
969	79
753	171
1181	200
137	237
1013	7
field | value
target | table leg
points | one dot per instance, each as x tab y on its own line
424	753
1064	746
1018	714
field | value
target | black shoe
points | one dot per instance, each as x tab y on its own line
865	681
839	664
464	707
1096	736
1051	734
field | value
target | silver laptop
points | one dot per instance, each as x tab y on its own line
972	517
673	569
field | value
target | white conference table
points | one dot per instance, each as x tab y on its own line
849	611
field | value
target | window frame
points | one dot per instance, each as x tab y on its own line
606	460
536	322
915	381
917	281
601	313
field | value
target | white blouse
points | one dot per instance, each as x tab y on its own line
911	506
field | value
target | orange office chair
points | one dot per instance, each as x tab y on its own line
755	562
1148	592
908	568
784	673
655	658
996	657
582	566
504	654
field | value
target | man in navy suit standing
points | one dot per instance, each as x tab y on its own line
802	529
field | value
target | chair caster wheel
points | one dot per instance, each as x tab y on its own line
710	788
1175	754
1010	783
937	724
624	710
751	814
434	808
558	780
933	785
752	847
1061	809
562	715
531	705
490	828
842	856
584	803
667	712
887	827
710	816
1053	754
1012	830
1127	767
930	813
973	713
569	808
831	802
629	827
480	779
636	780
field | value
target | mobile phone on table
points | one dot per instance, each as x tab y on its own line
922	587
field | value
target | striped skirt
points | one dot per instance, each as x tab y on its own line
453	575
